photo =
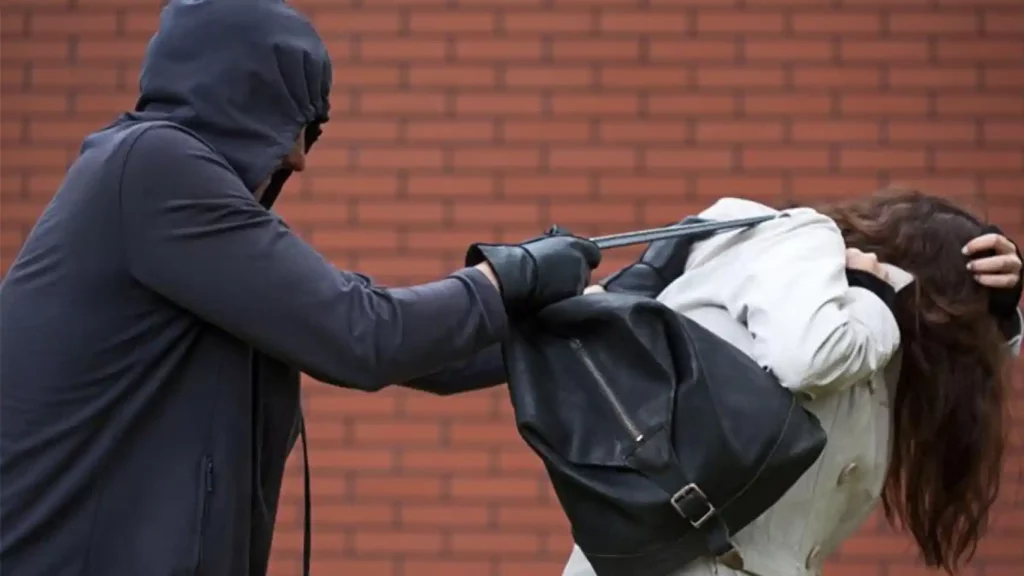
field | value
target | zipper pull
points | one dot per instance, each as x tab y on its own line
209	476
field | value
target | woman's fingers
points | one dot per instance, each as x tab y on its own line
1002	264
999	271
997	280
997	242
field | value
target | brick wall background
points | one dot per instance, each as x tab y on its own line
466	120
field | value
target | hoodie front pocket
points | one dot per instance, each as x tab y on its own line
202	504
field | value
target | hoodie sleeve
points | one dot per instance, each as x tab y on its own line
482	370
195	235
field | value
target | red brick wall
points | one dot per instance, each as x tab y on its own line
472	120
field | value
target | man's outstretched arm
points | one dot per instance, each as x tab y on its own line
195	235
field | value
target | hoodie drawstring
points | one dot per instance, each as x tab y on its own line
307	522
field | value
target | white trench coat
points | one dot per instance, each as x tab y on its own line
779	292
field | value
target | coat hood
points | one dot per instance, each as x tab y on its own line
244	75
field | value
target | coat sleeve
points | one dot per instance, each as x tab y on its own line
810	327
577	564
196	236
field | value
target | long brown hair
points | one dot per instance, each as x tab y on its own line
950	419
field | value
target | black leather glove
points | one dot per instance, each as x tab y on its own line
658	266
540	271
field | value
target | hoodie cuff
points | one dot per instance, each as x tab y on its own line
489	297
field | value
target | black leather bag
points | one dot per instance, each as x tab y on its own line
660	438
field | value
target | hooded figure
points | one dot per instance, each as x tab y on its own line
157	318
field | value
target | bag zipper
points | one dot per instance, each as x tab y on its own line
617	407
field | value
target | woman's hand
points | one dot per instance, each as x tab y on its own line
1000	270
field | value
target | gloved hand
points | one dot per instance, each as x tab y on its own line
657	267
540	271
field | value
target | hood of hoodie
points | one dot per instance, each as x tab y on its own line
244	75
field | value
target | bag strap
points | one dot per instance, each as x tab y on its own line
695	229
686	497
665	471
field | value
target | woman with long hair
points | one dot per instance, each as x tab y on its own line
890	317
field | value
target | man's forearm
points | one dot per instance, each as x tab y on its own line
484	370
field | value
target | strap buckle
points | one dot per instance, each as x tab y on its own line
691	501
